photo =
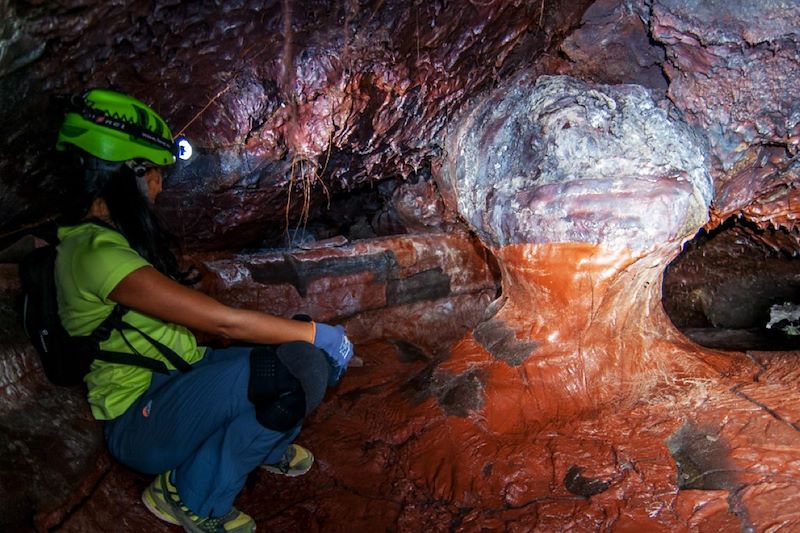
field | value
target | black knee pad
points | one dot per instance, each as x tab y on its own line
310	366
277	395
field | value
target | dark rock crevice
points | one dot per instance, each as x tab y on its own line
721	288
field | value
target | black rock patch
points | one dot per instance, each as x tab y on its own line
426	285
301	273
702	459
576	483
456	394
501	342
408	352
460	394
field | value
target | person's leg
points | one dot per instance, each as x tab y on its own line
209	480
178	412
202	425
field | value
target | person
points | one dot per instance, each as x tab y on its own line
202	429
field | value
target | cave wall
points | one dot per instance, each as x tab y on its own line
314	97
729	68
335	95
583	143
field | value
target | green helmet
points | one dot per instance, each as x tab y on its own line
115	127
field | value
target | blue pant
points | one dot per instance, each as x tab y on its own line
201	425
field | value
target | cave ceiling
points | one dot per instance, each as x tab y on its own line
318	98
315	96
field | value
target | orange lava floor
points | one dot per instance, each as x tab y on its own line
402	445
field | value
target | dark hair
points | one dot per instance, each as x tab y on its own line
131	214
130	211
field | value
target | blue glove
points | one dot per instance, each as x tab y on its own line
337	347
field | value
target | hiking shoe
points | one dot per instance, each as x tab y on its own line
296	461
161	498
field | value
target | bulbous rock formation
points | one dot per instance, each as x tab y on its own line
584	193
559	160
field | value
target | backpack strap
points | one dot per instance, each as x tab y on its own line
113	322
177	361
122	358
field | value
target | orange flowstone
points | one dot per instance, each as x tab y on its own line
601	333
389	458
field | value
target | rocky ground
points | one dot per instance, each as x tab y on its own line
400	447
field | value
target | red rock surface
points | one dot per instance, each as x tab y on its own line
51	449
400	445
334	282
473	439
573	402
627	54
731	69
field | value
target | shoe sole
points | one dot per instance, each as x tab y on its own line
296	473
150	502
152	506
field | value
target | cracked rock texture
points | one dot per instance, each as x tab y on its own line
732	68
399	460
522	174
51	449
627	55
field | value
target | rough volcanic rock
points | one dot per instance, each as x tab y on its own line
402	289
18	360
584	193
574	404
417	207
394	287
733	67
51	454
51	449
697	455
278	96
581	296
613	45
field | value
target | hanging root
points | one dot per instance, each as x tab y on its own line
305	174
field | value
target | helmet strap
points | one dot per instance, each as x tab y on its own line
139	169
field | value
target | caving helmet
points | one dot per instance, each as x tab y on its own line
116	127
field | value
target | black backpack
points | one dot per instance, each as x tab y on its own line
66	359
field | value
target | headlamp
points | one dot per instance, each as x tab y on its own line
183	148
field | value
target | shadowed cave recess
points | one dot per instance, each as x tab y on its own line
555	231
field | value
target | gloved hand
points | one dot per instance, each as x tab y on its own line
337	347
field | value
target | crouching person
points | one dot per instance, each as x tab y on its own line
212	415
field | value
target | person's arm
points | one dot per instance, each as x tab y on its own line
148	291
